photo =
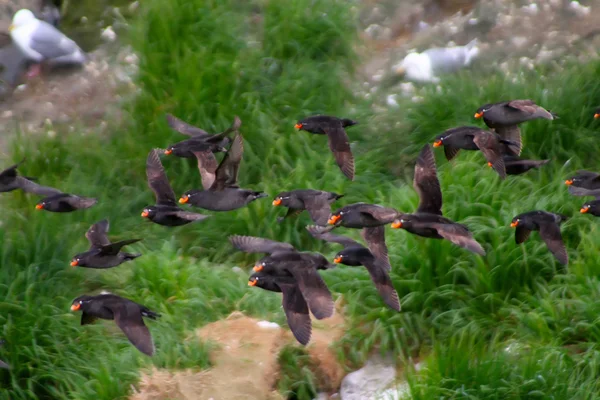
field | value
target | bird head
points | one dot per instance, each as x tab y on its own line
21	18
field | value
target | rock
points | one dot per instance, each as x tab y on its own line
8	8
370	381
108	34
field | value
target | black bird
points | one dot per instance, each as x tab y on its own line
503	118
284	260
54	200
591	207
355	254
127	314
428	221
165	212
219	139
585	183
362	215
597	113
473	138
224	194
2	363
548	224
316	202
103	253
339	143
294	305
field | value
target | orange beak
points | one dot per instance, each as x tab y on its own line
277	202
396	225
569	182
258	268
184	199
584	209
168	152
333	219
75	307
596	116
298	126
489	164
437	143
514	224
478	115
74	263
39	206
251	283
145	214
337	260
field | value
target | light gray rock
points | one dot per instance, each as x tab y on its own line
369	382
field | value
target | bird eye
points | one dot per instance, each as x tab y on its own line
341	213
80	301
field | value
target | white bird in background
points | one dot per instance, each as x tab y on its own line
39	41
426	66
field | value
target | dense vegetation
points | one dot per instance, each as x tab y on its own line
513	324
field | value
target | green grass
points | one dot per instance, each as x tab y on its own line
272	63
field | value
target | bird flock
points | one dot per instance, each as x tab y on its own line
284	268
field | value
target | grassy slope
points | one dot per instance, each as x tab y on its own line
197	62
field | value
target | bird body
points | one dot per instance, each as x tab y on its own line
362	215
517	166
584	183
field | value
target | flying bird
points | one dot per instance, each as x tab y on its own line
504	117
362	215
374	258
517	166
339	143
165	211
224	194
41	42
316	202
220	139
429	221
591	207
103	253
584	183
127	314
548	224
474	138
294	305
284	260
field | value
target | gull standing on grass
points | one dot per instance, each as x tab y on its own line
39	41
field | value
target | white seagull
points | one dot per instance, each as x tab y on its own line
426	66
39	41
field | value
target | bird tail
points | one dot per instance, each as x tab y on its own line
337	196
258	195
146	312
348	122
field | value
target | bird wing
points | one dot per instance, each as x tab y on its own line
318	207
226	173
291	212
450	152
345	241
460	236
296	312
114	248
187	215
550	233
383	283
128	317
527	106
79	202
340	146
97	234
385	215
50	42
579	191
314	290
185	128
252	244
158	181
10	172
489	146
521	234
87	319
426	183
207	165
32	187
513	134
375	238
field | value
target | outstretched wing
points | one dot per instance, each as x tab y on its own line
375	238
252	244
550	232
426	183
227	172
157	180
97	234
340	146
318	233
